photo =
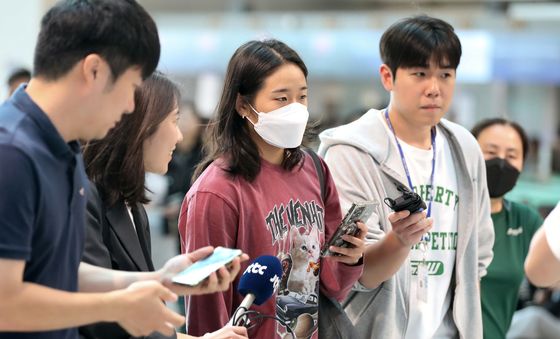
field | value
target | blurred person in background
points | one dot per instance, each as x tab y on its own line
421	269
16	78
117	227
259	191
505	146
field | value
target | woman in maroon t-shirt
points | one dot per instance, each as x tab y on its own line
256	190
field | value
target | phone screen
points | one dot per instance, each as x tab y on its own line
201	269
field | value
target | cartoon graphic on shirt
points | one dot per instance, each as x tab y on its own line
297	301
297	229
304	254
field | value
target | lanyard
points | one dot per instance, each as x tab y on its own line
433	136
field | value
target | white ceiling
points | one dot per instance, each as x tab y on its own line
296	5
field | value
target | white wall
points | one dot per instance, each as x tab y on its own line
19	26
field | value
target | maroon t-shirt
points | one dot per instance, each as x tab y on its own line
280	213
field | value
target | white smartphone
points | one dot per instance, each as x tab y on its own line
200	270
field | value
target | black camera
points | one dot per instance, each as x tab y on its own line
409	200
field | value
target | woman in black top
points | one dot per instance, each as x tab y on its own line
117	229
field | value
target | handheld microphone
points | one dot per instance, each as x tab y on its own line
259	281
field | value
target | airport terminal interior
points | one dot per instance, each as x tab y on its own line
510	68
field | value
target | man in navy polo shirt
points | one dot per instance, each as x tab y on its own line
90	57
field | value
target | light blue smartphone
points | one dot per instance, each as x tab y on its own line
200	270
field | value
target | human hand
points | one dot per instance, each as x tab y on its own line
351	255
228	332
409	228
140	310
218	281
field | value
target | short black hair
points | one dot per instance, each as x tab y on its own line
120	31
416	41
18	74
484	124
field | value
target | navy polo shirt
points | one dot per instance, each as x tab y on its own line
42	201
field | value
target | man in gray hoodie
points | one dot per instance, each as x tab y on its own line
421	270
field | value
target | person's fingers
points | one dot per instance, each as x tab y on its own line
224	279
234	268
416	237
339	250
357	242
241	330
171	321
211	282
396	216
166	329
363	230
165	294
243	257
430	224
348	255
405	223
421	225
418	234
200	253
410	230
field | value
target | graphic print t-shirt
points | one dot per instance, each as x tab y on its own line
280	213
431	319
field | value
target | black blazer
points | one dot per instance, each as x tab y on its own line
112	242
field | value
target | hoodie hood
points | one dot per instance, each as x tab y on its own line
365	133
371	134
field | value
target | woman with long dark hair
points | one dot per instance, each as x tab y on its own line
258	191
118	233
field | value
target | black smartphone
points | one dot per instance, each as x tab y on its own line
359	211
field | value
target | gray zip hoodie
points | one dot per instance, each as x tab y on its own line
360	156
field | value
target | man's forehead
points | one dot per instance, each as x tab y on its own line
434	62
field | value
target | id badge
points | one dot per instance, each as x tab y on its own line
422	288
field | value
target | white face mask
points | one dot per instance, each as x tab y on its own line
284	127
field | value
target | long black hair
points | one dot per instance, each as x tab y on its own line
116	163
228	134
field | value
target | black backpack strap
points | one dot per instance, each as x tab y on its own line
319	169
333	320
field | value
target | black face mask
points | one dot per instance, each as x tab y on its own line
501	177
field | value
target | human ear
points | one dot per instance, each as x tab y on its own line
241	106
93	69
387	79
